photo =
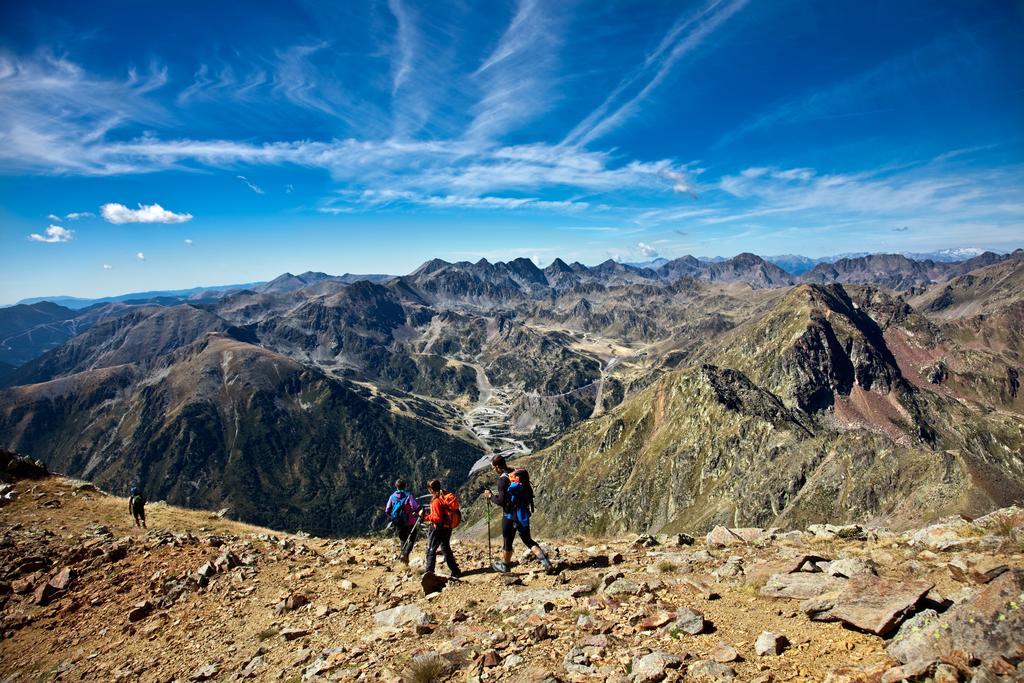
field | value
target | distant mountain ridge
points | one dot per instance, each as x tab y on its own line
794	264
27	329
707	384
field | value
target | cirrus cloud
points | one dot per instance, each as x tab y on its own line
53	235
146	213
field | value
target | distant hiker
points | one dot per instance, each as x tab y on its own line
403	510
137	506
445	515
515	498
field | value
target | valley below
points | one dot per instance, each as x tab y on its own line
670	398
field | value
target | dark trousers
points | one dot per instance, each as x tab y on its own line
139	514
441	538
407	537
509	527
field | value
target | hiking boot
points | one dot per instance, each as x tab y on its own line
404	559
546	563
500	566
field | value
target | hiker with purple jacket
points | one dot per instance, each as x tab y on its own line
403	510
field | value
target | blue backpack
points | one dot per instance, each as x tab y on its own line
398	510
520	496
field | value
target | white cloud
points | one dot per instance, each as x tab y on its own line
53	235
79	214
146	213
685	36
107	266
53	218
188	243
140	256
647	250
517	77
252	186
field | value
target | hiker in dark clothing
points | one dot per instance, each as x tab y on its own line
444	515
515	498
403	509
137	506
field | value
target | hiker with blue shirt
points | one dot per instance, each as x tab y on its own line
515	498
403	510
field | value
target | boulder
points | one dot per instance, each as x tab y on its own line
205	673
295	601
980	572
226	561
947	534
850	567
433	583
645	541
733	567
140	611
528	599
769	643
62	579
44	594
677	539
720	537
710	670
800	586
804	563
723	653
699	586
403	615
988	626
206	570
871	603
656	620
689	621
653	667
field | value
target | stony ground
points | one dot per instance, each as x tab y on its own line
84	595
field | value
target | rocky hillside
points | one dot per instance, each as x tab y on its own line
682	382
84	595
817	411
224	423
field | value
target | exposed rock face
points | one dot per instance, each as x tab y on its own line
987	627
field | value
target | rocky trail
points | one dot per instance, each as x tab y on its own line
84	595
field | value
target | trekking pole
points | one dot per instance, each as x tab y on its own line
412	535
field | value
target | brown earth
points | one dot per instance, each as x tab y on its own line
145	616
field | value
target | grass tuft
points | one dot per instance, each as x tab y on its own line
427	668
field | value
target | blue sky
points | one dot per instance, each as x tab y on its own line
164	145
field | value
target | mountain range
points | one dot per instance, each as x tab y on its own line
673	395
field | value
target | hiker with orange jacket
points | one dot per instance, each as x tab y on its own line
444	515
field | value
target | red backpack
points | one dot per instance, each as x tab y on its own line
451	515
